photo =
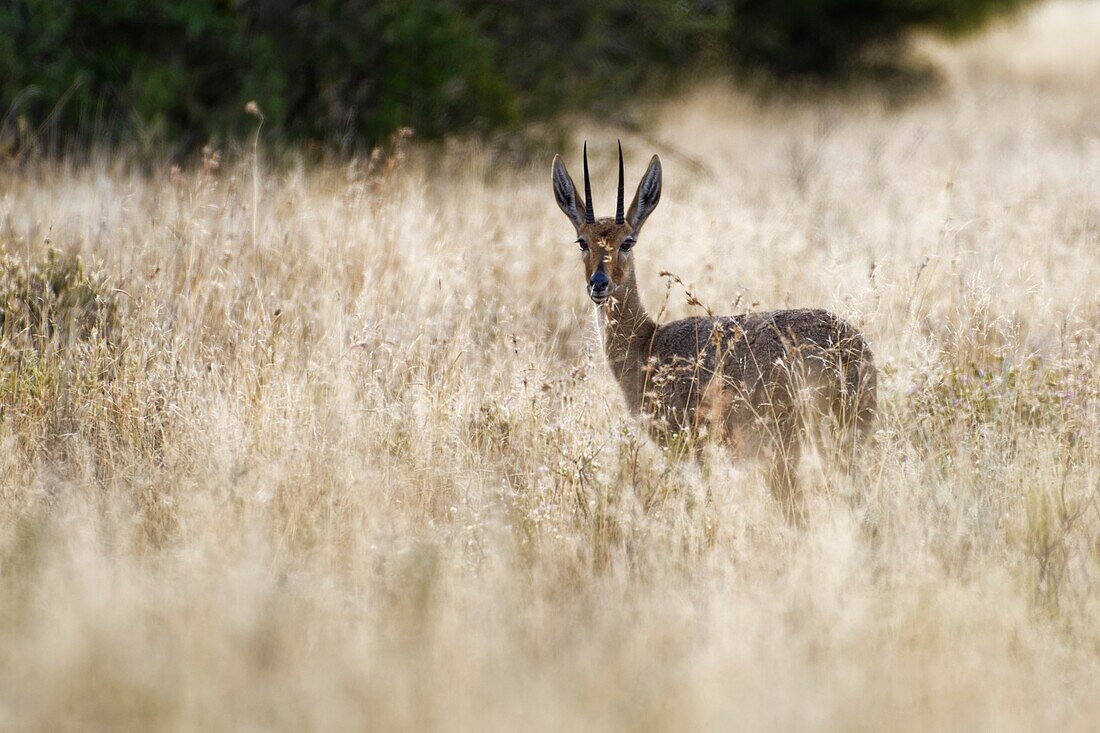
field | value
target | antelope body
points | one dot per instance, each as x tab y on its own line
753	381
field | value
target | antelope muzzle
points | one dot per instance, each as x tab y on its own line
599	287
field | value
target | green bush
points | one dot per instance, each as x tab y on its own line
340	71
121	66
597	54
348	73
184	71
825	38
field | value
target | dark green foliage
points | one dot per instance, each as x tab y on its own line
339	71
184	70
592	55
828	37
121	65
348	73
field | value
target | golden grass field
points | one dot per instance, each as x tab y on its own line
339	451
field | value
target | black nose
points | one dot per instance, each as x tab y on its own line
599	284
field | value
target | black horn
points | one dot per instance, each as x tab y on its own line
589	217
619	206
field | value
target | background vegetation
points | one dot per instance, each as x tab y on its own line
343	74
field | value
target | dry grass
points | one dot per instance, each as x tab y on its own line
368	470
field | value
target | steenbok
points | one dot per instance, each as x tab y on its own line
754	381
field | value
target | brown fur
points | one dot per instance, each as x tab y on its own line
753	381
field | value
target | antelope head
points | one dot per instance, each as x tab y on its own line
607	243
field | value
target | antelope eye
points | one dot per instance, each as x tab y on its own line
627	244
583	244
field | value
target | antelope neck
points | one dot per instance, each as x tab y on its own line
628	338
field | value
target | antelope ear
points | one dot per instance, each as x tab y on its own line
565	193
649	193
